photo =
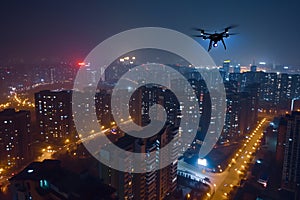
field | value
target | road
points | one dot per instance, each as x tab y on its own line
223	183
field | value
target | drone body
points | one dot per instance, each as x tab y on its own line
215	37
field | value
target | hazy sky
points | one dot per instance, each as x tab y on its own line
68	29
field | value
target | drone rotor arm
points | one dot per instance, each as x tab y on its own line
223	43
210	44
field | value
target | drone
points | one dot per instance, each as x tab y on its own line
215	37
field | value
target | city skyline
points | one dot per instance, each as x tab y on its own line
253	99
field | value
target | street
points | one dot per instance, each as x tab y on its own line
223	183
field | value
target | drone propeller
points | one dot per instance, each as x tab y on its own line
201	36
202	31
198	29
230	27
232	33
198	35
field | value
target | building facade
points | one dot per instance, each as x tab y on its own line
14	137
54	116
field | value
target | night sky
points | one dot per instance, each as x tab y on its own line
68	29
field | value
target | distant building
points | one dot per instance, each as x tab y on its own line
14	137
245	116
115	71
237	69
48	180
284	88
295	92
54	116
253	91
242	108
238	79
225	70
268	87
253	68
231	129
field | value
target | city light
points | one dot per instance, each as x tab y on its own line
83	64
188	196
258	161
202	161
114	131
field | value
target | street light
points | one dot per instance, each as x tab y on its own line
202	161
188	196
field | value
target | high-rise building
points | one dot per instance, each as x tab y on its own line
253	77
237	69
154	185
225	70
284	90
291	161
295	91
54	116
253	91
237	78
245	122
280	145
276	90
231	125
122	181
253	68
146	96
115	71
268	91
103	107
14	137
